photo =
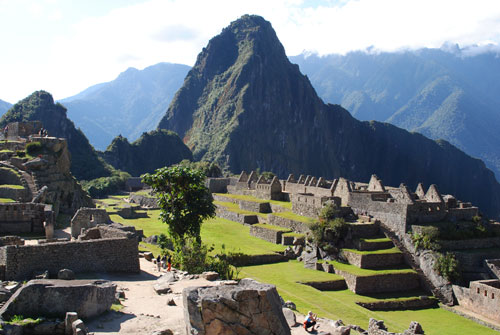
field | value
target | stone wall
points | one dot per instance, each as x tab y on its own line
270	235
332	285
376	327
380	283
103	255
144	201
237	217
373	261
86	218
476	243
253	206
400	305
296	226
217	185
16	218
483	297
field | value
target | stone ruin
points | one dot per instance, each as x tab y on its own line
86	218
377	327
246	308
482	296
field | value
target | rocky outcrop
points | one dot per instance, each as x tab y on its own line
244	105
53	298
246	308
52	169
40	106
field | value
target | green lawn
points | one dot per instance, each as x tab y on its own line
341	304
235	237
374	252
6	200
375	240
272	227
366	272
15	187
295	217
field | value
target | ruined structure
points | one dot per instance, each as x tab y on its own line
482	297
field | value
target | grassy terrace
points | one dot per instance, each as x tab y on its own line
285	204
236	209
342	304
14	187
6	200
375	240
294	234
271	227
333	304
375	252
366	272
295	217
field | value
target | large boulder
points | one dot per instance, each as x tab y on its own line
247	308
53	298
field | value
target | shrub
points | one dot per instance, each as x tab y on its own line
328	212
324	230
194	257
104	186
20	153
447	266
34	148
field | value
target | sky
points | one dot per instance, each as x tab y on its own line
65	46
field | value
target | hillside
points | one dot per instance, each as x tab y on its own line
153	150
246	106
129	105
4	106
85	163
448	94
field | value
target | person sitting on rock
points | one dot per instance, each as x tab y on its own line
310	321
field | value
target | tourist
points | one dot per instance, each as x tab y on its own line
158	264
164	262
310	321
169	263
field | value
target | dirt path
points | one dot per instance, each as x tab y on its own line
145	311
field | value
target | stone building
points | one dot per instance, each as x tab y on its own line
482	297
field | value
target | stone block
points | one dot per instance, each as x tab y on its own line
66	274
53	298
78	327
246	308
68	322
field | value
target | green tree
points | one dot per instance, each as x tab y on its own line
183	199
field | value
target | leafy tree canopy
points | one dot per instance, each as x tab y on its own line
184	200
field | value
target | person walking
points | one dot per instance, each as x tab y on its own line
158	262
169	263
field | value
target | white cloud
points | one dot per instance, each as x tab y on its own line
97	49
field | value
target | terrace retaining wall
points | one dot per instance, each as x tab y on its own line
296	226
373	261
270	235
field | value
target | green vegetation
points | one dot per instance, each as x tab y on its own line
6	200
153	150
104	186
116	307
342	304
34	148
22	321
375	240
375	252
271	227
183	199
209	169
447	266
366	272
293	216
292	234
335	228
14	187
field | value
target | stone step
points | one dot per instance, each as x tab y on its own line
377	259
364	230
366	244
364	281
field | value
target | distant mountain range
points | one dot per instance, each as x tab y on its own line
4	106
446	94
131	104
244	105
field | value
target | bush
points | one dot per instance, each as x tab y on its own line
101	187
426	239
324	230
194	257
34	148
448	267
328	212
